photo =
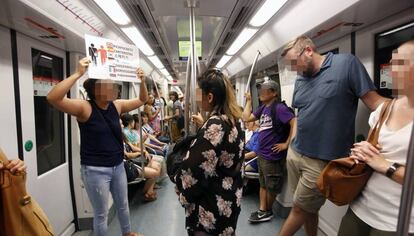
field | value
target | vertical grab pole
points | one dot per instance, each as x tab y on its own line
194	60
141	142
187	96
251	72
247	90
404	216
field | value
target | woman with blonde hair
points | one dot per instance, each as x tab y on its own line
209	180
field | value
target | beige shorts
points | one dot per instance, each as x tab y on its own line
302	175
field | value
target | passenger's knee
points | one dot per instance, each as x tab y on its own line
297	210
101	217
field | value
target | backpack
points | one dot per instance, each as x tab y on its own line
176	156
180	122
277	126
131	171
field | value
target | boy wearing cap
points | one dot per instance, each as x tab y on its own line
275	132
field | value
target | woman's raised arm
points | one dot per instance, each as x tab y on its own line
57	96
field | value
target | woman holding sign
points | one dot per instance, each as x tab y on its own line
101	149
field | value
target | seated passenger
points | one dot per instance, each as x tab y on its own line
133	138
375	211
150	132
252	146
152	170
209	182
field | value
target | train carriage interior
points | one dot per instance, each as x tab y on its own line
176	41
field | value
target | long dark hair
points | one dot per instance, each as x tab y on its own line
224	100
126	119
89	86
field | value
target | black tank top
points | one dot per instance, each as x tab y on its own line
101	137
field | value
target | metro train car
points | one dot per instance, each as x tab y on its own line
154	53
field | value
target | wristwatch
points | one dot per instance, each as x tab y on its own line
392	169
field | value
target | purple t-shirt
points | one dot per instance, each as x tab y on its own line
267	137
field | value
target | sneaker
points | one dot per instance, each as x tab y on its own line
255	213
261	216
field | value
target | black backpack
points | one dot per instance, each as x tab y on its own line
277	125
180	122
131	171
176	156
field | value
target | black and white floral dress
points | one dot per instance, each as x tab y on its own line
209	181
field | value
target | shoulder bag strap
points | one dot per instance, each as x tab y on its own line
374	133
3	158
107	125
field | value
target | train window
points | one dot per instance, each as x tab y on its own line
49	122
385	43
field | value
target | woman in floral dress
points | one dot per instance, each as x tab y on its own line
209	182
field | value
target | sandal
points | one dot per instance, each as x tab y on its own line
149	197
133	234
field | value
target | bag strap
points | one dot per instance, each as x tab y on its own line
3	158
107	125
374	132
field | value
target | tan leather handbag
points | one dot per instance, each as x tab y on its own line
20	215
342	179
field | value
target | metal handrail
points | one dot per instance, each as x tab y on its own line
251	71
194	58
191	75
187	96
140	132
404	216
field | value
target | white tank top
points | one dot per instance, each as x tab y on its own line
379	203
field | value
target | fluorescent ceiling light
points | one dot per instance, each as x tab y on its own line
46	57
114	11
156	61
138	40
397	29
165	72
266	11
241	40
223	61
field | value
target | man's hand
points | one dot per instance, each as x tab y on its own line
278	147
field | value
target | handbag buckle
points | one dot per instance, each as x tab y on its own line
26	200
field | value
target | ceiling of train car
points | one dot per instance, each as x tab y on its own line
356	17
165	25
353	18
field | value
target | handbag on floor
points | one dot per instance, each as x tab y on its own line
342	179
20	215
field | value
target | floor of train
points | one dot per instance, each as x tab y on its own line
165	216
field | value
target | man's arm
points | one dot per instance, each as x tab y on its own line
372	100
247	112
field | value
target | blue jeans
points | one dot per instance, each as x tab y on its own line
99	181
